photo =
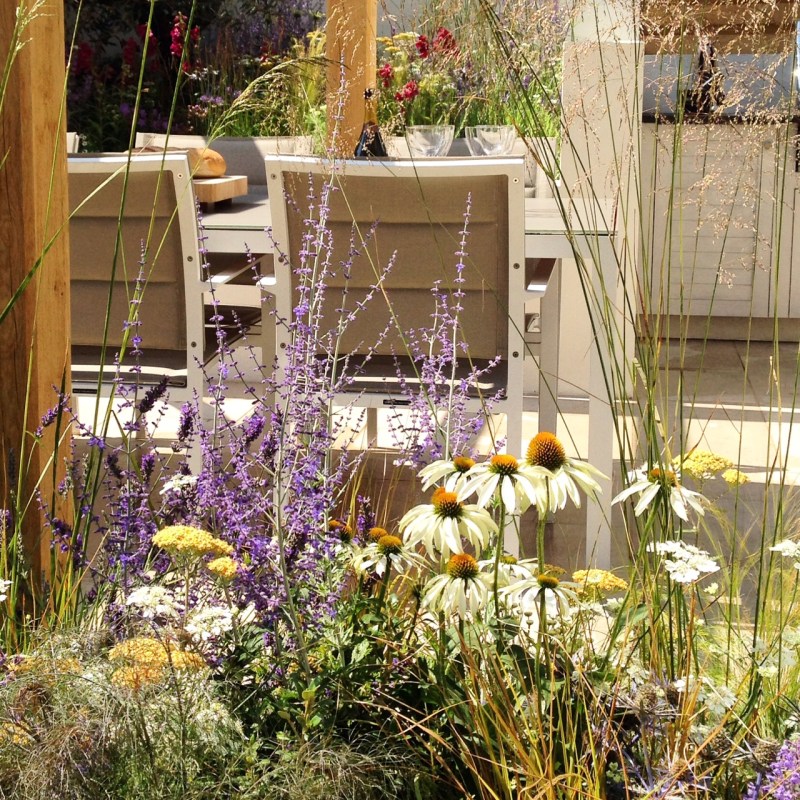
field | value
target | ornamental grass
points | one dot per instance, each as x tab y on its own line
261	626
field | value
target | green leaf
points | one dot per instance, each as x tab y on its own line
360	651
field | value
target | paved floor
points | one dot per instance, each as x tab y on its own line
739	401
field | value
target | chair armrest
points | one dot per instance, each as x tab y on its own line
246	296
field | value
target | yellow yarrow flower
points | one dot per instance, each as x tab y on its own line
184	540
703	464
735	478
600	580
13	734
223	568
43	665
187	661
138	676
141	650
147	661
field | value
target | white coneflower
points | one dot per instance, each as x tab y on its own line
650	483
462	589
500	476
511	570
441	526
556	477
541	603
451	470
379	556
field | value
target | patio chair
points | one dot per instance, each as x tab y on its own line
244	155
73	142
126	212
419	207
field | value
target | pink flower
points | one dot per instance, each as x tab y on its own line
444	42
386	74
407	93
423	46
177	34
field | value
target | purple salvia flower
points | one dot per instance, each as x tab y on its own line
781	781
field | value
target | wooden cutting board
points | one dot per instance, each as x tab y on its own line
214	190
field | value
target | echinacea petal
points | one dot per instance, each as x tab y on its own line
508	495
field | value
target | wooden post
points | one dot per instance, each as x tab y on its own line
351	52
34	338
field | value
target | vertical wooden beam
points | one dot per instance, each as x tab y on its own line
351	52
34	338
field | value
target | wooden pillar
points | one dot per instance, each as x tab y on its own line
34	346
601	98
351	52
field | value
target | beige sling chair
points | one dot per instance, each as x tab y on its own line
419	209
118	205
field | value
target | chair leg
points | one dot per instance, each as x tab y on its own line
548	355
372	427
514	443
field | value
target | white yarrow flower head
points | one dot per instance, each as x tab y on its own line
501	477
650	483
155	602
4	587
452	471
178	483
788	549
461	590
381	555
209	622
556	477
684	563
441	526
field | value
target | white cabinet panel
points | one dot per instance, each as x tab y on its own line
711	218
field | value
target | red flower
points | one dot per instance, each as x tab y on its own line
83	58
195	34
423	46
386	74
177	34
407	93
444	42
129	51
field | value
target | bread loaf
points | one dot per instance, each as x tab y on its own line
205	163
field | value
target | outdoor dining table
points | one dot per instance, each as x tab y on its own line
241	226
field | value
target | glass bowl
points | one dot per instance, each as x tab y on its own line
474	145
490	140
429	141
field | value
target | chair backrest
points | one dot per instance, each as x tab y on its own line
130	215
419	208
243	155
73	142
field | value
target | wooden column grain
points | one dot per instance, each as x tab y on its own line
351	53
34	338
